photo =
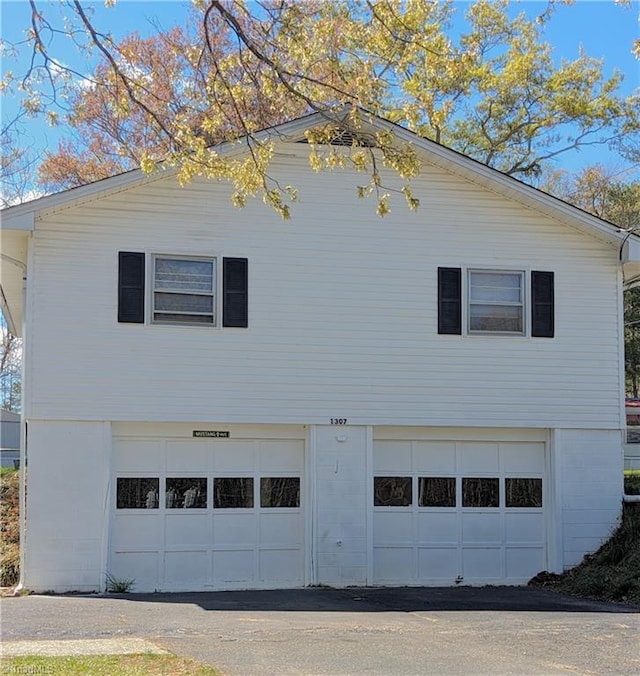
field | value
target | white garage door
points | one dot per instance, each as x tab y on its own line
467	512
194	515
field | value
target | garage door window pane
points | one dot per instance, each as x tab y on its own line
436	492
280	492
392	491
233	493
137	493
480	492
189	493
523	492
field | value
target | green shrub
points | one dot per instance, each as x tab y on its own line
9	528
117	585
632	482
612	573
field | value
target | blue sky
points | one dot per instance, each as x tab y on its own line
602	28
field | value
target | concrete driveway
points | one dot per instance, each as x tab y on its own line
490	630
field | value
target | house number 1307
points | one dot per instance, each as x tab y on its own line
338	421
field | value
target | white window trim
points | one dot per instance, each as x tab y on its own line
466	299
217	300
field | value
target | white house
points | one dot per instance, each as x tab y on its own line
217	398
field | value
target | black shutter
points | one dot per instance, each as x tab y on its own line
131	287
235	297
542	304
450	300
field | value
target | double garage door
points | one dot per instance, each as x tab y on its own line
194	514
447	512
206	514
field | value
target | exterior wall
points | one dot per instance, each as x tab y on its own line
588	467
67	505
9	439
10	459
342	312
632	456
632	445
70	500
342	325
341	480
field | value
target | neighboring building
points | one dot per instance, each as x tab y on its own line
9	439
632	446
218	399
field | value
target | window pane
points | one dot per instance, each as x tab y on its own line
190	493
182	302
436	492
496	286
233	492
137	493
182	319
523	492
392	491
480	493
195	279
280	492
496	318
180	274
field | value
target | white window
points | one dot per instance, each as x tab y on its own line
184	290
496	301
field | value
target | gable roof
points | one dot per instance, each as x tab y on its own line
23	216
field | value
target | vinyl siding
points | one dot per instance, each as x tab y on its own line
67	510
589	465
342	311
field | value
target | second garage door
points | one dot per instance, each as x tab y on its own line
447	511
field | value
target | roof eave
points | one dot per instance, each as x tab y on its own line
20	220
20	213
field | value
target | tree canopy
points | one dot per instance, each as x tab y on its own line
491	90
10	369
610	195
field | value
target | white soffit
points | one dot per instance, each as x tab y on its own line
23	220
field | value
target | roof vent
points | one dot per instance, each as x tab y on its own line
342	137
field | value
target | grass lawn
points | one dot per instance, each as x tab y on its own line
107	665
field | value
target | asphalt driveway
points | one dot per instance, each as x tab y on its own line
407	631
